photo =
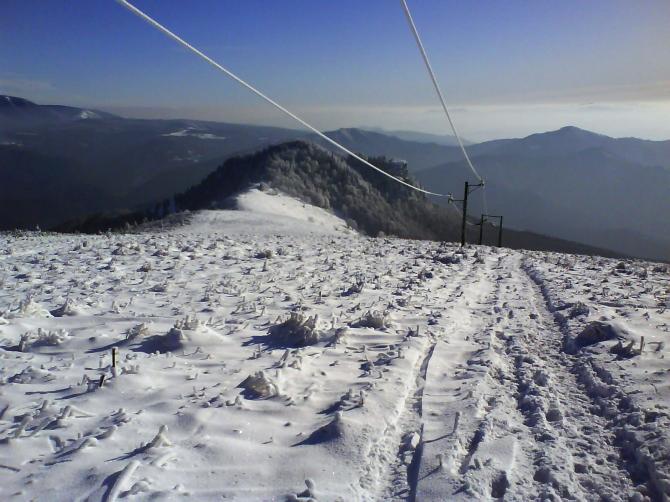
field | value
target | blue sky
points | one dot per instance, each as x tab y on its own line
507	68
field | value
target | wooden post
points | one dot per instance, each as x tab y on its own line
465	212
500	233
641	344
114	354
481	229
102	381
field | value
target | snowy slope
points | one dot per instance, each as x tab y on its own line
259	213
264	347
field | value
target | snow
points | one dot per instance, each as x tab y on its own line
270	353
193	134
88	114
266	212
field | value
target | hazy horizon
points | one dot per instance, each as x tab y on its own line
508	70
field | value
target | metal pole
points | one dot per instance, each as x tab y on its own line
481	229
465	212
500	233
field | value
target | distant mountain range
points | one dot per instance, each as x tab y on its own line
61	163
576	185
104	162
418	155
419	137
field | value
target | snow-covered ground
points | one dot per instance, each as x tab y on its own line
194	134
272	354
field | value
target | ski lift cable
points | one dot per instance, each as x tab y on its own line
424	55
230	74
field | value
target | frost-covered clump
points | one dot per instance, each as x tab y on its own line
137	331
69	308
355	288
307	495
448	259
160	440
159	288
129	248
340	336
296	331
264	254
621	267
188	322
32	375
625	351
27	308
333	430
579	309
595	332
42	338
259	386
171	341
372	319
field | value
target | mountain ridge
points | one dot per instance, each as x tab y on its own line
367	200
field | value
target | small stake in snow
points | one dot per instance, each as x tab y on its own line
641	344
114	354
102	381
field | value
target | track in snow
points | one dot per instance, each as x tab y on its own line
536	431
397	460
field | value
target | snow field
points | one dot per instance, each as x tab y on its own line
261	358
189	315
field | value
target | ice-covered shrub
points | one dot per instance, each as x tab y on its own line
309	494
188	322
372	319
296	331
332	430
137	331
448	259
42	338
69	308
159	288
578	309
625	351
264	254
28	308
594	332
355	288
171	341
32	375
160	439
259	386
340	336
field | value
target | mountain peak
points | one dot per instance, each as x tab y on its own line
14	101
576	131
570	137
16	111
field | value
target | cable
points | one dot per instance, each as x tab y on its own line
424	55
230	74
